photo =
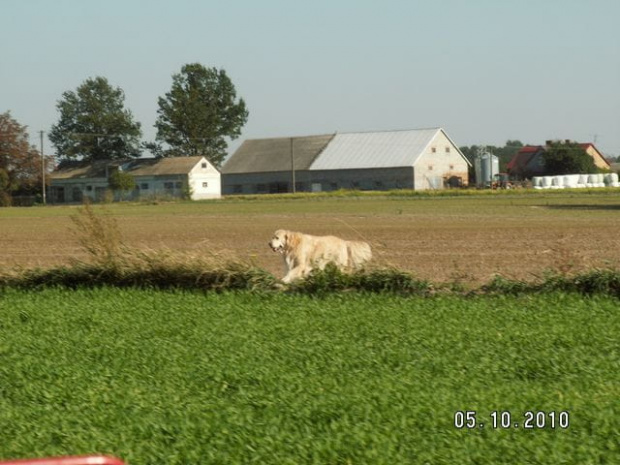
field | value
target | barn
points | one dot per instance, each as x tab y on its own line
193	177
417	159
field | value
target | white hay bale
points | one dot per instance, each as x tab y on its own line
570	180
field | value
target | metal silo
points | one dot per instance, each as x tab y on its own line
486	166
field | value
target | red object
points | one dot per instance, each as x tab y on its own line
81	460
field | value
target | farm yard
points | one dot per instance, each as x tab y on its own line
184	377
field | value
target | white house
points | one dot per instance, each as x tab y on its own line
417	159
192	177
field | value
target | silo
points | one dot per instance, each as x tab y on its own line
486	167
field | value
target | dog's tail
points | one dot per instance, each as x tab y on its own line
358	253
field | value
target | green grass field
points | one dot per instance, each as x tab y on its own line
159	377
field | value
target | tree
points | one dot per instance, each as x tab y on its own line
198	113
94	124
567	158
20	162
122	182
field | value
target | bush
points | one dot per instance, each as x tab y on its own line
331	279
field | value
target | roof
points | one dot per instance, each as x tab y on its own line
520	159
375	149
266	155
83	169
135	167
161	166
387	149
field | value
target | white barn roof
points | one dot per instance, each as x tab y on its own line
375	149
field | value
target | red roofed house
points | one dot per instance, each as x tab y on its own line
529	161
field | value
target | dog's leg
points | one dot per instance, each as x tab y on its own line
293	274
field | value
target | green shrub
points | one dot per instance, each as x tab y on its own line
331	279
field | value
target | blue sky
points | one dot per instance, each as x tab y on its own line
484	70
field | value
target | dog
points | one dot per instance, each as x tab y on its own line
302	253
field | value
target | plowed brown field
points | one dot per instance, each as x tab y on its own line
465	238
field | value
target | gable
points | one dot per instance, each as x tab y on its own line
599	160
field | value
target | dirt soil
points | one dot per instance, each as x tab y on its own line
466	246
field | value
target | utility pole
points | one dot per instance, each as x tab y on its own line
42	169
292	165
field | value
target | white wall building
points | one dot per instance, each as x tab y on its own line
417	159
192	177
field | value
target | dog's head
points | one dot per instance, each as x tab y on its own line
279	241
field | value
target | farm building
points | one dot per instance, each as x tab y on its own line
529	161
412	159
195	177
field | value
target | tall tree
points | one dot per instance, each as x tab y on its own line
20	162
94	124
199	113
567	158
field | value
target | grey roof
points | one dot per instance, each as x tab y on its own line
375	149
268	155
135	167
161	166
83	169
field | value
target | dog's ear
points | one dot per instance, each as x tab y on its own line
292	239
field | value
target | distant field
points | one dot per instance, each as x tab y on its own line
441	238
182	378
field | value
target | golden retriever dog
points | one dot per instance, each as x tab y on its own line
302	252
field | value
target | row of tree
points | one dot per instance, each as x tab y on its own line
195	118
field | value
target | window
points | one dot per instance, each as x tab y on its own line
447	149
278	187
433	149
144	185
169	185
205	185
237	189
430	167
89	188
178	184
451	167
204	165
